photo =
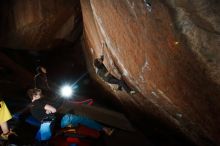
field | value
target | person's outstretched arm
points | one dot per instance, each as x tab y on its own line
50	109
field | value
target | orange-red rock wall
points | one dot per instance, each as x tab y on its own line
150	52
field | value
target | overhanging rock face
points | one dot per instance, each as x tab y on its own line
158	49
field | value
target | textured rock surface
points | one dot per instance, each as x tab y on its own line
38	24
199	22
169	55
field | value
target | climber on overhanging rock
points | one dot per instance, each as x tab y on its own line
148	5
102	71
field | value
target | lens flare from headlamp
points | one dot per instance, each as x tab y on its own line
66	91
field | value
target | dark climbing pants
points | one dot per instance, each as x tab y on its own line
113	80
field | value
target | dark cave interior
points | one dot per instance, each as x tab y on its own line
166	51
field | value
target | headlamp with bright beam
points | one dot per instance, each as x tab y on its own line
66	91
